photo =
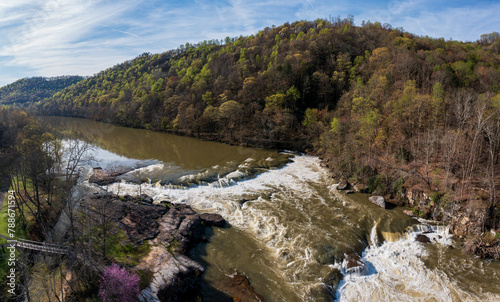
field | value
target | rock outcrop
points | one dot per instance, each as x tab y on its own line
354	264
213	220
105	177
179	229
171	231
139	221
422	238
409	213
173	273
343	185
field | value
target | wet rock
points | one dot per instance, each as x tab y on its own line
238	286
350	192
213	219
422	238
409	213
378	200
333	278
354	264
245	290
343	185
105	177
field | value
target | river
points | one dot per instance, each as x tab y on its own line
290	227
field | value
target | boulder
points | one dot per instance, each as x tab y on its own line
343	185
409	213
213	219
378	200
354	264
242	290
422	238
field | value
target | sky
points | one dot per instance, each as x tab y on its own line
83	37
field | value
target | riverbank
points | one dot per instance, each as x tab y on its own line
475	225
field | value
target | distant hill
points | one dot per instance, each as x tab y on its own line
31	90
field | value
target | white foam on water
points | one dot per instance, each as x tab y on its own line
398	273
374	236
290	187
277	207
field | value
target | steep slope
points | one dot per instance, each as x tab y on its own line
31	90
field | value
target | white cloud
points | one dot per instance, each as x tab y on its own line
58	37
458	23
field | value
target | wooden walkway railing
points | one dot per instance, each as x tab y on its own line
39	246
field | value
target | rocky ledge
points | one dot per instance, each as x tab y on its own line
174	273
105	177
171	231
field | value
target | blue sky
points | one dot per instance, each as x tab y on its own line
69	37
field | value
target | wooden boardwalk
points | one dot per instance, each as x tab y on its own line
36	246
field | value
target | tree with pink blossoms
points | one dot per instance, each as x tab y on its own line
118	285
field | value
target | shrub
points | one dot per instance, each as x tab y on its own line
377	184
118	285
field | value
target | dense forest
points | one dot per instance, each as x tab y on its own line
31	90
414	118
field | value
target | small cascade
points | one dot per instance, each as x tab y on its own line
391	236
374	235
435	233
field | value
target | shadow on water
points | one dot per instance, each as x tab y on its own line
390	206
371	268
208	292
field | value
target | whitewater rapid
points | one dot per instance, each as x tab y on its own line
304	226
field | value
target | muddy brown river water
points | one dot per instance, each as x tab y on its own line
290	227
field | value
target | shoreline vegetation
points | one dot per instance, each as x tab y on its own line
411	118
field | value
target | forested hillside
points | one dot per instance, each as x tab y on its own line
409	116
31	90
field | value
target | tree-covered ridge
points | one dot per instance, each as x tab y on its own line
31	90
275	76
